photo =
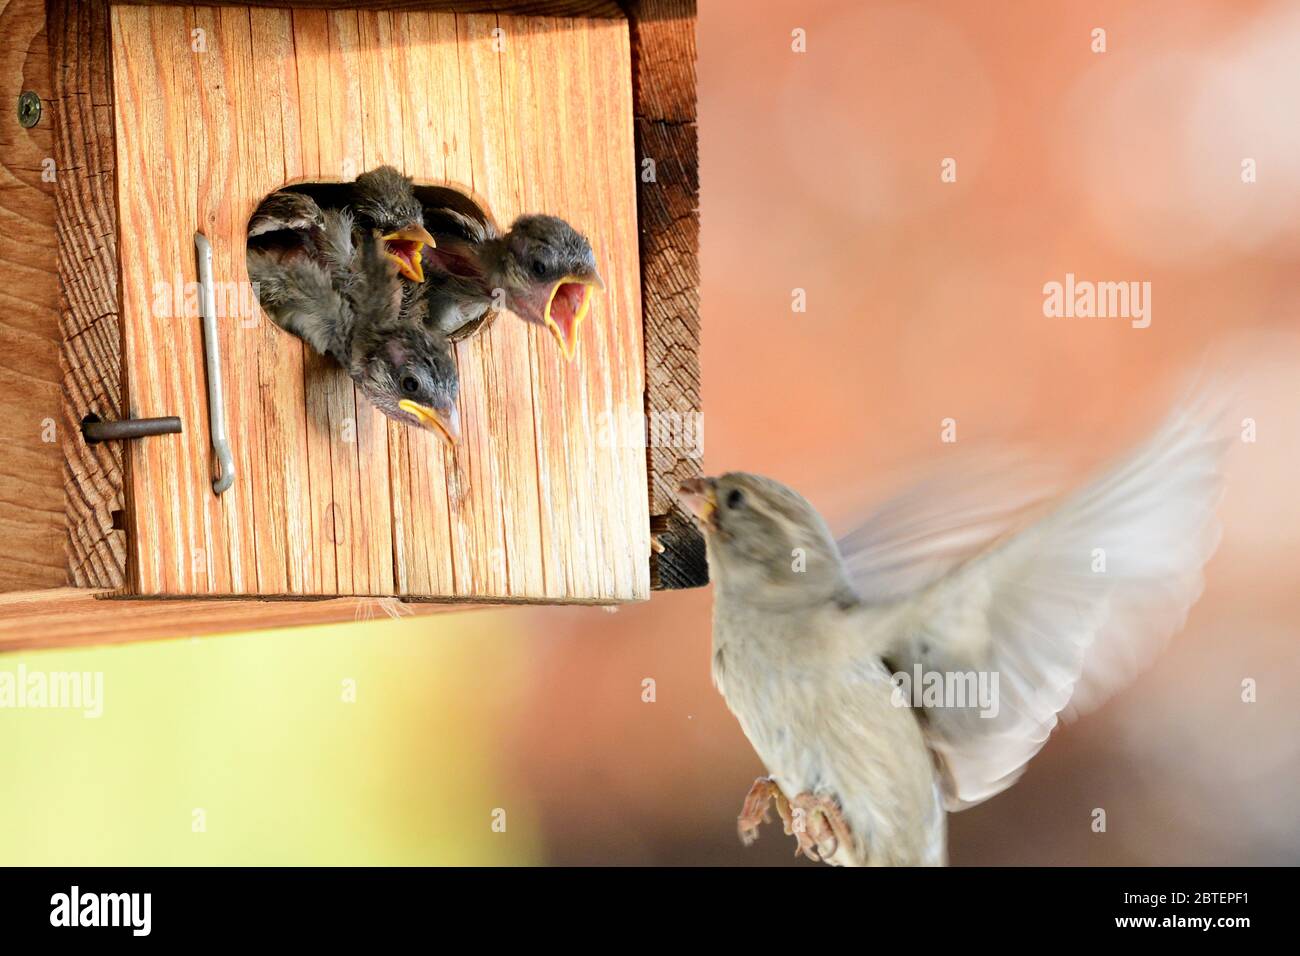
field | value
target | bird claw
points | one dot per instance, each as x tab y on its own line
814	820
819	826
754	812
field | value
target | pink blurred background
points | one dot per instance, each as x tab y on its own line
821	171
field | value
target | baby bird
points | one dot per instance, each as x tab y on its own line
543	270
336	287
381	199
916	668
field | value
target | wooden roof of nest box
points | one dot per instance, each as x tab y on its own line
167	120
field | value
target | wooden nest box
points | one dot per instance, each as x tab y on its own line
164	121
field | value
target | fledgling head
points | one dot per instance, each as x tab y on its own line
404	369
548	272
385	200
766	543
410	375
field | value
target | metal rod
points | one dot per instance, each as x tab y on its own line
212	355
94	430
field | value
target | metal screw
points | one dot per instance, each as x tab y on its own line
29	109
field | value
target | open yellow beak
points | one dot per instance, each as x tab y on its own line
405	247
566	307
445	423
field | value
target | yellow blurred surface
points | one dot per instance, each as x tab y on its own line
366	743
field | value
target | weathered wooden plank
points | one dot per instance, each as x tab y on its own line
312	125
668	206
78	617
492	362
545	8
289	562
178	542
32	494
81	118
536	500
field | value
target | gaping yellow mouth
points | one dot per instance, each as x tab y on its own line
445	424
406	247
567	306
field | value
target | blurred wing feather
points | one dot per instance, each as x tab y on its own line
1060	636
924	532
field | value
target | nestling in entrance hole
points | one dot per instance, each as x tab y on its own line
352	270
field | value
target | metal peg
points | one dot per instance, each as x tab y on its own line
95	430
212	356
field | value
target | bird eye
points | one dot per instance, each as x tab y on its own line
539	268
410	384
735	498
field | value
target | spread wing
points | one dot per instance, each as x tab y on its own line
1061	611
287	212
445	221
936	524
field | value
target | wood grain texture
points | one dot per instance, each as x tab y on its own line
538	501
31	465
77	617
668	208
541	8
81	101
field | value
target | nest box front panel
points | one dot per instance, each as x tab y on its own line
544	497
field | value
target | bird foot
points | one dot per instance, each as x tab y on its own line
754	811
819	826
